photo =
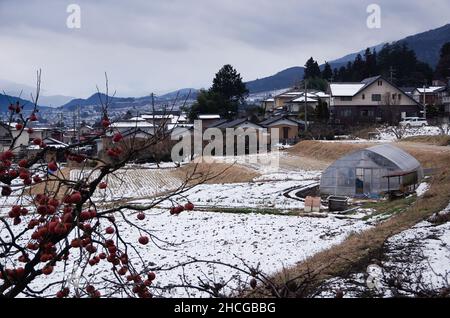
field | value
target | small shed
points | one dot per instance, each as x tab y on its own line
372	172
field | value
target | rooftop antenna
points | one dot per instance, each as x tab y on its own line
391	73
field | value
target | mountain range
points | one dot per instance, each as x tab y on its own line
6	100
426	45
126	102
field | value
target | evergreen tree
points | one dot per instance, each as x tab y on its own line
322	112
327	72
443	67
312	69
336	77
223	98
393	59
229	85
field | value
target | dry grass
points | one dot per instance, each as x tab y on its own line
430	156
325	151
358	250
441	140
53	185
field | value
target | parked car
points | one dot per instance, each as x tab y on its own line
414	122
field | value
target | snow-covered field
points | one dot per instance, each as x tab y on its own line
418	258
272	241
266	191
386	135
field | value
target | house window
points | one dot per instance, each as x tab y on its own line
346	113
399	96
376	97
380	83
394	96
367	113
346	99
363	96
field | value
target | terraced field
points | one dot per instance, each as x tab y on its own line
133	183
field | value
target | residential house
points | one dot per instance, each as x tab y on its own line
288	129
298	104
24	138
241	125
446	102
372	100
292	102
86	130
126	126
52	146
7	134
280	100
268	104
208	120
432	95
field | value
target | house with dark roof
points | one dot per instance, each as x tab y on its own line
288	129
373	100
243	123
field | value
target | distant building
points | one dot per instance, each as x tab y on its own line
126	126
288	129
432	95
25	138
292	101
208	119
373	100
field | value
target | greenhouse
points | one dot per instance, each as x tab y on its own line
372	172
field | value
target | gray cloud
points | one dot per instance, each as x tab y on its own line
166	44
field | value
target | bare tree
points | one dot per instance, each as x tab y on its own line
51	222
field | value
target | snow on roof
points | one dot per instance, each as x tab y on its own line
270	100
165	116
290	94
431	89
322	95
208	116
302	99
345	89
273	120
137	119
131	124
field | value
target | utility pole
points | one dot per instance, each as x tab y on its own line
78	122
74	127
424	102
306	106
61	126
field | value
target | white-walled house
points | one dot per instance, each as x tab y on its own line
6	138
372	100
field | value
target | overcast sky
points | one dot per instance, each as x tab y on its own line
162	45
